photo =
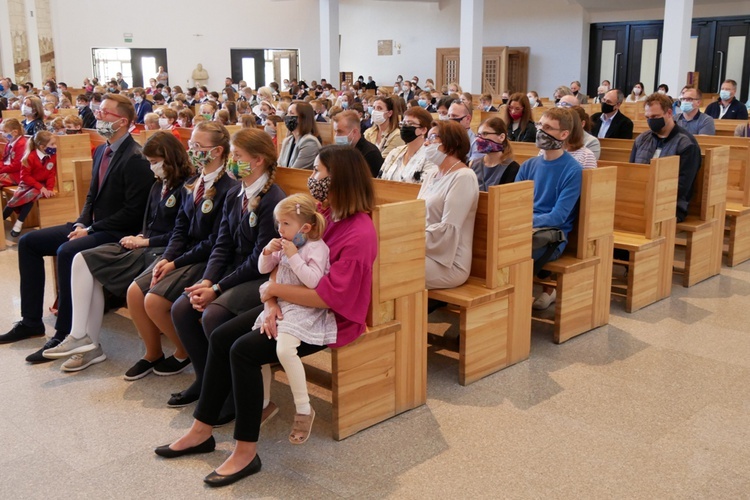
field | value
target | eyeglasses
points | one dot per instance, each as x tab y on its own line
458	119
408	124
196	146
545	127
487	134
103	113
433	138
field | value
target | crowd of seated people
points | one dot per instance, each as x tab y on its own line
204	245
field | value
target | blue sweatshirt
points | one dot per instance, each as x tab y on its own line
557	188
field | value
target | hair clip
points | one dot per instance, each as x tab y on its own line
297	205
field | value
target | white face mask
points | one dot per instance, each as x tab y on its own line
637	91
433	155
181	123
158	169
532	101
444	117
163	123
378	117
26	110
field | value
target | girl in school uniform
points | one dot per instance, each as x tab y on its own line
114	266
182	264
10	167
33	112
37	178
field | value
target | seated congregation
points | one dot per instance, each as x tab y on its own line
197	217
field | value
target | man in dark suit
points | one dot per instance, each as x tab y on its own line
407	94
346	130
120	184
142	105
84	111
610	123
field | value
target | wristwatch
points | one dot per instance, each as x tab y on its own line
216	289
90	230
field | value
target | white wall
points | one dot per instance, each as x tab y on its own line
224	24
657	14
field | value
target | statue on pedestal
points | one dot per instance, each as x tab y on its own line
200	76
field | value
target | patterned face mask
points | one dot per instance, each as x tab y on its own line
488	146
319	188
239	168
200	159
546	142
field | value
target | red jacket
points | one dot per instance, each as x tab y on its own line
15	152
40	172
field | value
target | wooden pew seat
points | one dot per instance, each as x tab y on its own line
470	294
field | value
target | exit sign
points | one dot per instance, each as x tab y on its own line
128	37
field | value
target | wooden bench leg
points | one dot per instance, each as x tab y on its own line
698	248
574	304
739	239
484	340
644	274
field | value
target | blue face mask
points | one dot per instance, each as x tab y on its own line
50	151
422	103
8	136
299	239
686	107
724	94
369	110
341	140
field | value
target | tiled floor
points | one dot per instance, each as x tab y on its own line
655	405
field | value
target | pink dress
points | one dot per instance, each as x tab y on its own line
307	267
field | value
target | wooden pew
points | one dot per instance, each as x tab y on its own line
704	226
12	113
584	271
644	225
495	303
384	372
738	187
522	151
738	195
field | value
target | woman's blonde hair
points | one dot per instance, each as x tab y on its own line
37	141
303	208
257	142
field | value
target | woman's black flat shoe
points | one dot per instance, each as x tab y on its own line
215	479
180	399
206	446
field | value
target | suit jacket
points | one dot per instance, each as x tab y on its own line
141	109
234	258
620	128
89	120
372	155
407	96
197	227
117	205
302	155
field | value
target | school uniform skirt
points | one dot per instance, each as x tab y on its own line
241	298
173	284
23	195
115	267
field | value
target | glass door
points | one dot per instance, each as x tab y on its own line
608	56
732	57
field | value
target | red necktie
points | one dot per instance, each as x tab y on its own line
244	204
104	165
164	191
199	194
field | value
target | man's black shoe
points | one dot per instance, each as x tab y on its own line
37	357
21	332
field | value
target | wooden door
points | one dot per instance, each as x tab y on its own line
447	66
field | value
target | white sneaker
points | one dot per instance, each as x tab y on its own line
544	301
80	362
70	346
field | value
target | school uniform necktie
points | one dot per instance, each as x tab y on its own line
244	204
199	192
104	164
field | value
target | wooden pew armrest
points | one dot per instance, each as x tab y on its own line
470	294
694	224
633	242
734	209
570	264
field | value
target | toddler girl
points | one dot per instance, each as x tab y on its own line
37	178
301	258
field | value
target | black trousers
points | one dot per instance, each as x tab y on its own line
23	211
235	357
32	248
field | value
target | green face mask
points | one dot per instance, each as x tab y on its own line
239	168
208	116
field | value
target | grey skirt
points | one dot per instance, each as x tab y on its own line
173	284
115	267
241	298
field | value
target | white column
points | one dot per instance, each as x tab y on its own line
675	48
472	37
32	35
329	42
7	68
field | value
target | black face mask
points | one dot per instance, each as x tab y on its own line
290	122
505	101
656	124
607	108
575	92
408	133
